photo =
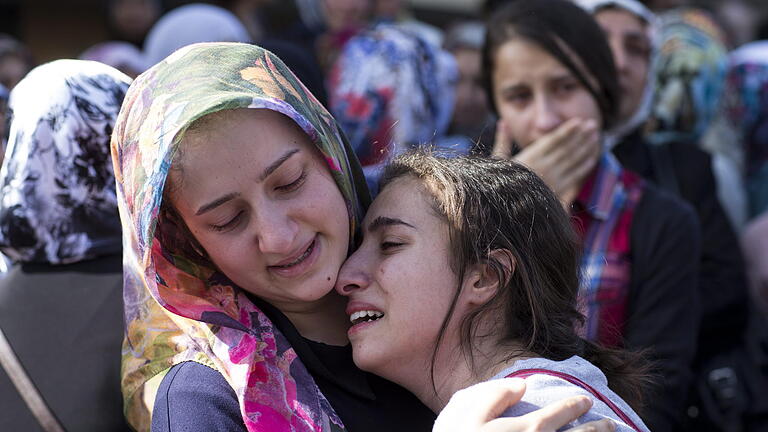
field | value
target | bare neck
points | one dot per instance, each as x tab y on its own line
454	372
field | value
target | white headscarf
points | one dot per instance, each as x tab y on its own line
191	24
58	203
643	110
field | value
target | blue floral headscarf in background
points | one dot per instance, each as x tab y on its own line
392	90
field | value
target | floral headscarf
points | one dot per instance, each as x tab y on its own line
392	90
690	74
746	109
58	201
177	309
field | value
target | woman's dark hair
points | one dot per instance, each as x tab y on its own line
567	33
493	206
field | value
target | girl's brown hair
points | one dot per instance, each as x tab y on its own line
491	205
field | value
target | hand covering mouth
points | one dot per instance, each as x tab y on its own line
298	260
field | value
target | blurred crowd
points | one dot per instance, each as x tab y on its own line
691	119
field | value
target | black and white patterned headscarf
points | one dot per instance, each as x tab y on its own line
57	202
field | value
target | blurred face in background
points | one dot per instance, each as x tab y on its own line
471	109
387	9
132	19
662	5
12	69
535	93
342	14
631	46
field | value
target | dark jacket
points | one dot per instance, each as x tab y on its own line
65	324
722	281
663	304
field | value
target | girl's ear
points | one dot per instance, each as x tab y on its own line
483	280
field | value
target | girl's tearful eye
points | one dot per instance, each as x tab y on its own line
390	245
566	87
518	98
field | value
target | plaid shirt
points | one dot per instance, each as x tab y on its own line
602	215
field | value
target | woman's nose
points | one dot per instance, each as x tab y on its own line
276	232
352	276
619	55
547	117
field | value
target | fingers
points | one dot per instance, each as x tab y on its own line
604	425
491	398
559	414
499	395
582	143
470	409
477	408
564	157
558	142
513	424
550	419
567	165
576	170
564	133
502	145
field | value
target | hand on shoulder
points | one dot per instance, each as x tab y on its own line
477	408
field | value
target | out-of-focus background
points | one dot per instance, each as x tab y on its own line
64	28
689	79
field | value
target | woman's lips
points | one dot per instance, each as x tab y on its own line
355	328
362	315
299	265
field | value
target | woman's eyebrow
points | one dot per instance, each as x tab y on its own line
512	87
383	221
215	203
276	164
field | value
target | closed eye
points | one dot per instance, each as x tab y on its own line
292	186
389	245
230	224
566	86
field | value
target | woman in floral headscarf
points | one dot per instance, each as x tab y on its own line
60	303
183	298
239	200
